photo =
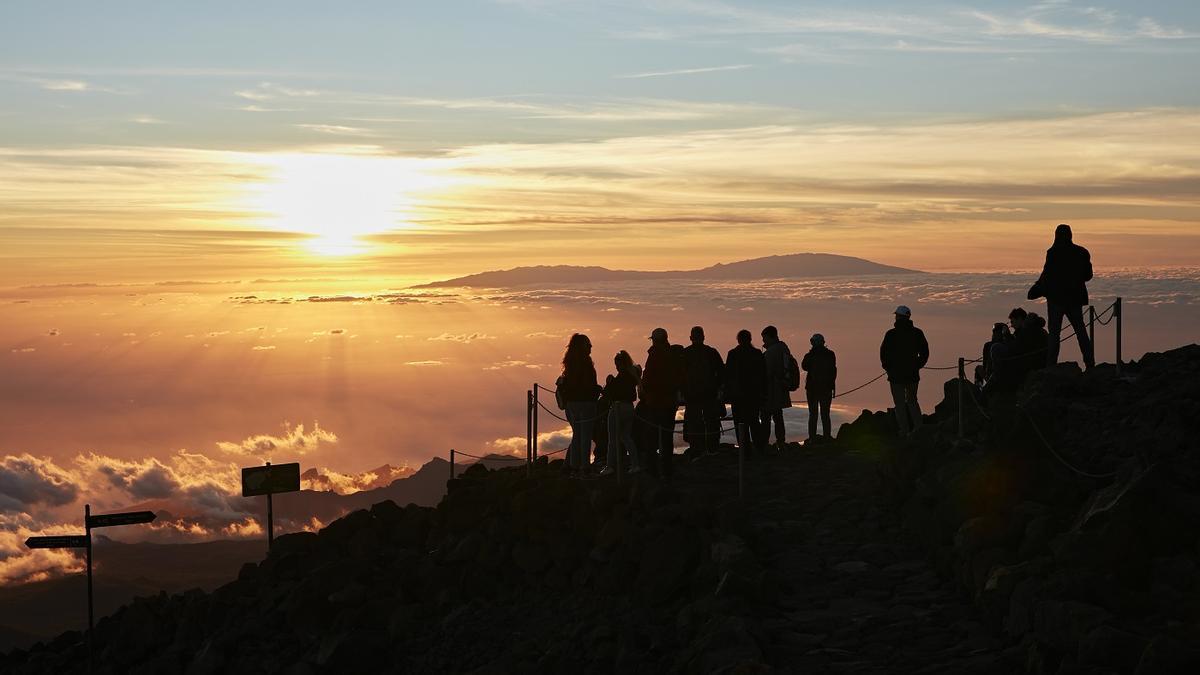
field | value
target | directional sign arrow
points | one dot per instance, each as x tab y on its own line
128	518
58	541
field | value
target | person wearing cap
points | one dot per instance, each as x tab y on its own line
745	387
903	353
1063	283
703	370
820	364
660	385
778	395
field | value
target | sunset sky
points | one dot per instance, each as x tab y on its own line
150	141
212	214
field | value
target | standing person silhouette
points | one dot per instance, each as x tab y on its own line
778	397
1063	283
703	371
745	387
904	352
621	390
821	365
660	394
579	393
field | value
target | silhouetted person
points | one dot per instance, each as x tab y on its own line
579	392
1038	341
1063	283
620	390
821	365
986	367
660	392
1010	359
778	394
745	388
904	352
703	372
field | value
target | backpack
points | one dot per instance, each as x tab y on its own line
558	393
792	373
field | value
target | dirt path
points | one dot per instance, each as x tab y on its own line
858	595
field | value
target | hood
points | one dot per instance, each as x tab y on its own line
1062	235
903	322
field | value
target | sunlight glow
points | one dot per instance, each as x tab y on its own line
339	198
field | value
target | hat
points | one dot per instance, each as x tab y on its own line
904	311
817	339
658	333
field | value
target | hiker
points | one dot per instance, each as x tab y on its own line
703	371
745	388
986	367
579	390
779	364
1038	339
821	365
1010	359
620	390
1063	283
660	392
904	352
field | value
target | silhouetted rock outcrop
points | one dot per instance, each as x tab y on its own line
1076	534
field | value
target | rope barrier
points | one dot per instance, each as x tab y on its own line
1054	452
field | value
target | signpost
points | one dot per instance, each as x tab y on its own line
84	541
269	480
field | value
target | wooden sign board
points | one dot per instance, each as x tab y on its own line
58	541
270	479
127	518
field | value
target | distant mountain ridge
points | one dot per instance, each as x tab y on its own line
792	266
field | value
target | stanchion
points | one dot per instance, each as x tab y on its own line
1117	315
1092	325
87	527
741	460
451	463
530	439
536	404
962	375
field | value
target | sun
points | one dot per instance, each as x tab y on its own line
338	198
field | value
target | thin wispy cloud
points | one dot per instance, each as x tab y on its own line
684	71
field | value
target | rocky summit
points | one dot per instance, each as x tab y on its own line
1055	533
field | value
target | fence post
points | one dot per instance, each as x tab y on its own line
1092	325
1117	315
741	460
962	376
536	386
451	463
529	439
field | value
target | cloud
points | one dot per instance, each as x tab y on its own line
263	348
549	441
141	480
684	71
431	363
335	129
27	482
327	480
294	441
464	338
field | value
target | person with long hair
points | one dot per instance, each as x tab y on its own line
579	391
620	390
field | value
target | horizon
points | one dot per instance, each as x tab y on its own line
213	218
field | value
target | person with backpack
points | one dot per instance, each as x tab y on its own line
821	365
903	353
578	390
745	388
620	390
703	371
782	374
1063	283
660	394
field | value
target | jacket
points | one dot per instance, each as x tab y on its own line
662	377
703	371
904	352
821	365
777	396
579	384
1065	275
745	376
620	387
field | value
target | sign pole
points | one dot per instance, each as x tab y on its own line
87	527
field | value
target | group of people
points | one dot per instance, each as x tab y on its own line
638	405
1033	342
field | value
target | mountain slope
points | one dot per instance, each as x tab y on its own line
793	266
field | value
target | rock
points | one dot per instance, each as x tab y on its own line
1111	647
1168	656
1063	623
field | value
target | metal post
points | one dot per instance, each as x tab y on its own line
270	521
962	375
451	463
742	459
536	404
1117	314
529	437
1092	326
87	526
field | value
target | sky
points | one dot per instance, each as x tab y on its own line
144	141
212	215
